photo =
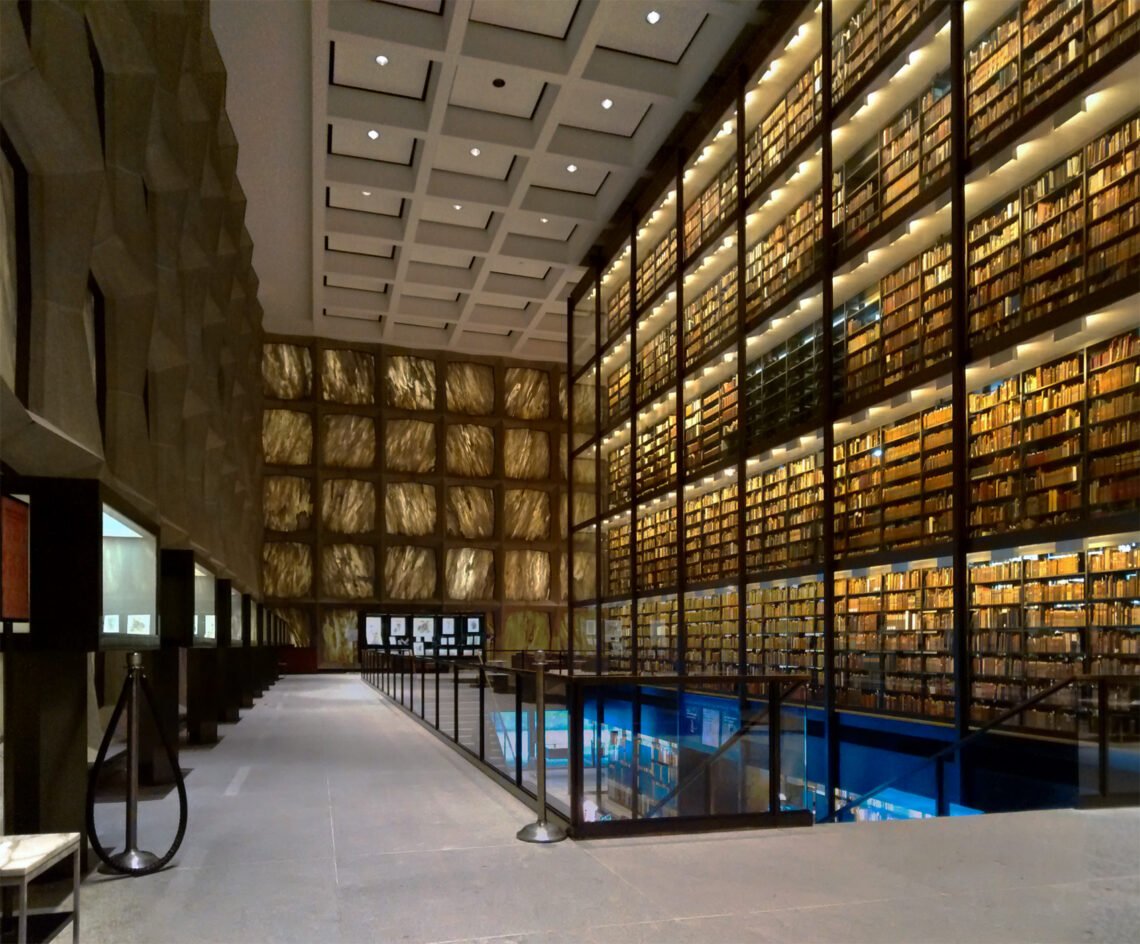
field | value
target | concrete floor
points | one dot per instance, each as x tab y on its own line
326	815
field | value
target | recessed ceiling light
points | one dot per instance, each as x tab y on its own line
373	134
498	83
653	17
572	168
607	103
366	193
545	220
458	206
475	152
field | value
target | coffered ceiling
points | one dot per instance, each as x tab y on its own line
463	155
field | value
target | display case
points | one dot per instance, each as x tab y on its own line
237	634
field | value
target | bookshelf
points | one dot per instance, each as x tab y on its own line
657	549
617	310
618	478
1113	162
712	631
781	386
710	534
783	260
1113	395
657	455
1114	609
784	627
783	511
711	427
856	44
656	760
657	634
1110	24
617	636
618	572
715	204
657	363
618	394
657	268
780	133
993	89
710	320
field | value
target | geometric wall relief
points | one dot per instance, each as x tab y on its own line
288	502
470	389
410	383
470	450
409	573
287	437
336	646
526	393
470	573
348	377
287	569
348	571
286	371
526	575
470	511
409	509
348	506
526	514
348	441
409	446
526	454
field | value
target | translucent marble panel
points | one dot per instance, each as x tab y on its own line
336	647
526	393
287	437
409	446
348	377
409	573
287	502
563	574
526	454
470	511
526	575
286	569
563	398
286	371
526	514
470	389
410	383
470	573
299	625
563	457
409	508
525	630
348	441
348	506
348	571
470	450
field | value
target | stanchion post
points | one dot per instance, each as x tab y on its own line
541	830
132	858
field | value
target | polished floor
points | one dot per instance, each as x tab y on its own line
326	815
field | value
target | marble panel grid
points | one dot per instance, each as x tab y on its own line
409	509
526	393
409	573
470	389
348	442
470	573
348	377
287	502
525	629
299	625
409	383
348	571
409	446
470	450
286	371
526	575
287	437
348	506
526	454
526	514
470	511
287	569
336	645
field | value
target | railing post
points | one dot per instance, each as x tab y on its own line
518	729
541	830
773	747
423	687
1102	737
941	808
437	674
482	715
455	701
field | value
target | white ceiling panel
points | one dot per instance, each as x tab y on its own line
628	30
474	86
454	155
354	140
546	18
404	72
384	202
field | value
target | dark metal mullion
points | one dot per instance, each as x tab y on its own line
633	485
681	632
741	413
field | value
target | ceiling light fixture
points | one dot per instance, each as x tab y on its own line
572	168
498	83
545	220
653	17
381	60
366	193
607	103
458	206
475	152
373	134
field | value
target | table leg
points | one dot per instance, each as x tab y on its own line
22	932
75	900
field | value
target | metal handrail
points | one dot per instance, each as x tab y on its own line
1100	680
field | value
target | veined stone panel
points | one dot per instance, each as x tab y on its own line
470	573
409	446
563	403
409	508
526	575
348	377
286	371
525	629
409	573
348	506
470	450
470	389
348	442
336	646
410	383
348	571
526	393
470	511
298	623
287	569
287	437
526	454
526	514
287	502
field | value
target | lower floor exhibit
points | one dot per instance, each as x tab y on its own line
328	815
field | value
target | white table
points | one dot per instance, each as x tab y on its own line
22	858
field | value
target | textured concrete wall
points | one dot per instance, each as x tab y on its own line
134	311
430	483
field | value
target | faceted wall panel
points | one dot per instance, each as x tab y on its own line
287	569
470	573
470	450
526	575
348	506
409	446
409	508
288	502
347	571
525	630
336	647
348	377
526	514
299	624
526	454
470	389
410	383
409	573
470	511
287	437
526	393
348	441
286	371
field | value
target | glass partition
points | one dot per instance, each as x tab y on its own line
130	583
205	608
